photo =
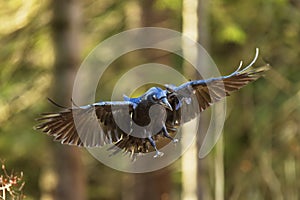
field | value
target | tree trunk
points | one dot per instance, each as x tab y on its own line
203	166
189	159
66	29
194	171
154	185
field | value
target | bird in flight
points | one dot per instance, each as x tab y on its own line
136	125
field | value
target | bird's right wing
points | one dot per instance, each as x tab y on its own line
89	126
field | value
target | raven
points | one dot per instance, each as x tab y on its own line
126	123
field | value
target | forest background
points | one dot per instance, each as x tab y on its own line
44	42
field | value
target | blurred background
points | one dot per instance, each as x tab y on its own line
44	42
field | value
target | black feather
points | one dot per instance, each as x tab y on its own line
113	122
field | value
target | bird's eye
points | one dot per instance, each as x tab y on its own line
154	97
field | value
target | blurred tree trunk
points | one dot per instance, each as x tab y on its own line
189	159
195	172
149	186
66	29
154	185
204	166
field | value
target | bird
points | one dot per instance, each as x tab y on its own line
136	125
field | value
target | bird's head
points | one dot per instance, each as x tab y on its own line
158	96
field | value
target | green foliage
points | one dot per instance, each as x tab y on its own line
232	34
260	131
169	4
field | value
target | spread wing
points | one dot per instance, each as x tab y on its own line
98	124
89	126
195	96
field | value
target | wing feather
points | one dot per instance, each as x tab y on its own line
88	131
207	92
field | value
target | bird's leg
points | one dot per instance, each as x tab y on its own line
158	153
166	134
179	105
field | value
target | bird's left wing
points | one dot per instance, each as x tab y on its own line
195	96
88	126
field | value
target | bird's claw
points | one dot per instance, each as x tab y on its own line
175	141
158	154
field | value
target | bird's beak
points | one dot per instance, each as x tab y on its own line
166	104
